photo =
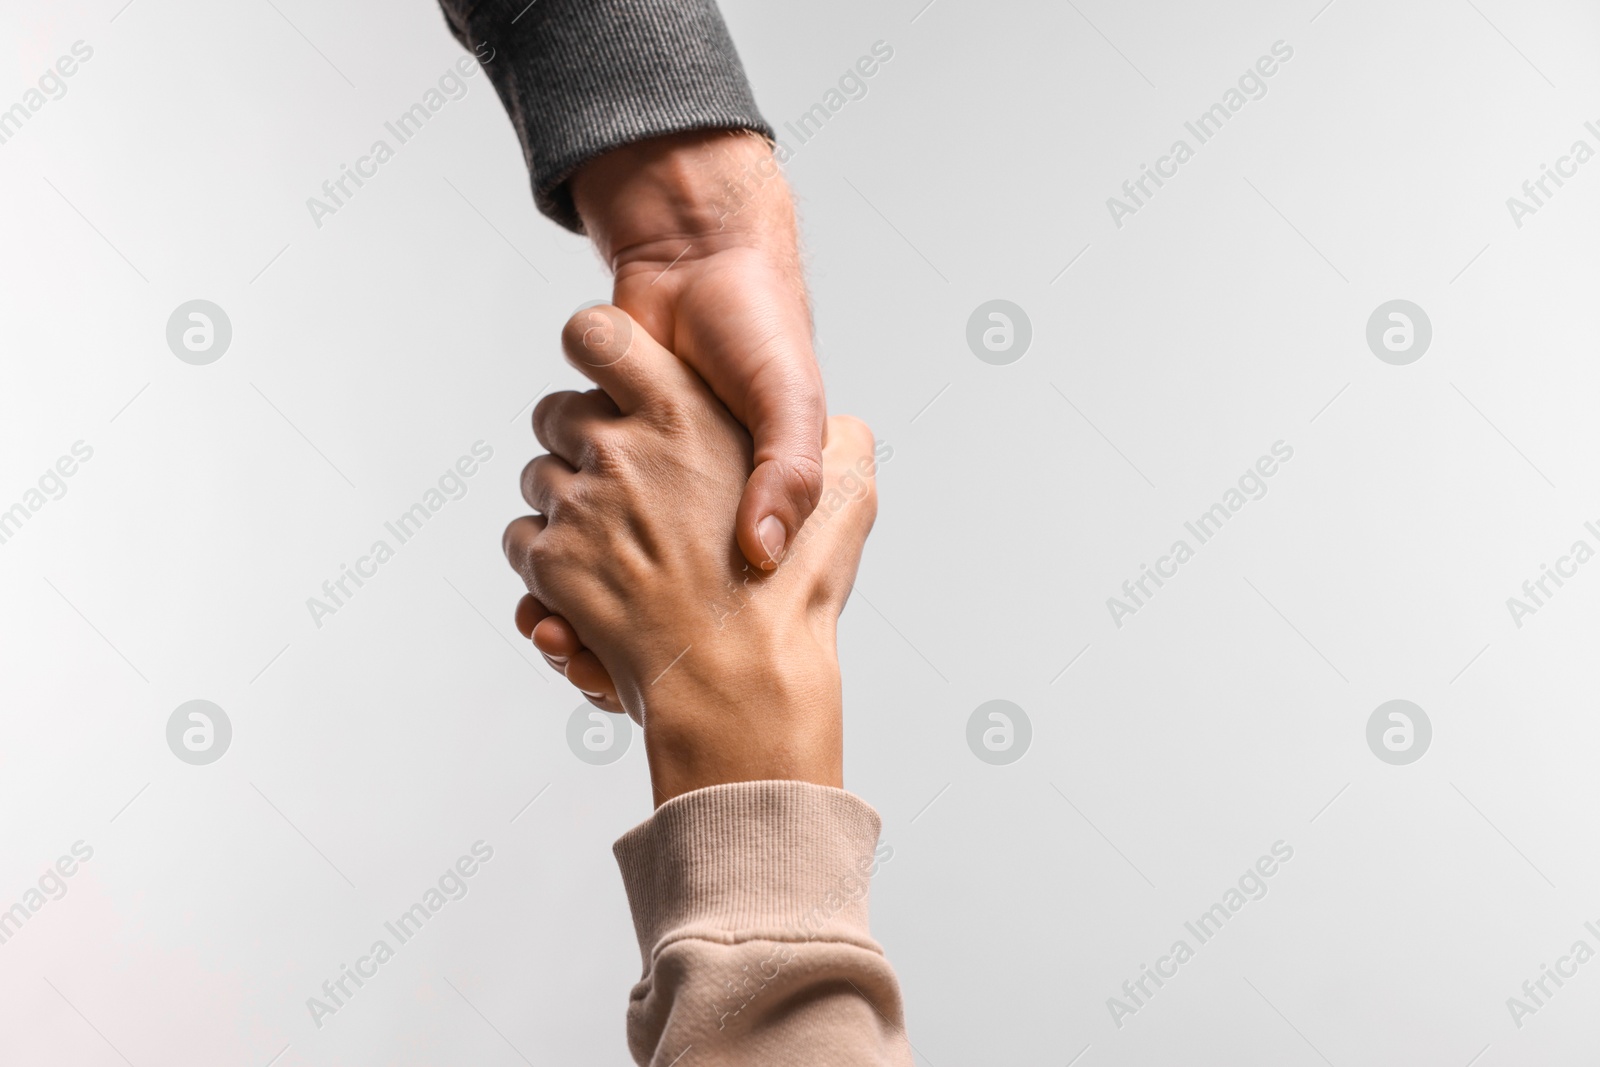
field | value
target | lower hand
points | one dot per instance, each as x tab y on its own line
732	672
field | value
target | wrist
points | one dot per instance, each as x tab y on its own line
709	189
741	712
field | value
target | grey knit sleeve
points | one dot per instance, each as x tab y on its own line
580	77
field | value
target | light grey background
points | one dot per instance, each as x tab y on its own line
1230	713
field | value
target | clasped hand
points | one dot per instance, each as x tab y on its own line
638	591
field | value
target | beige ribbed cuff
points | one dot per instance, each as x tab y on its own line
777	860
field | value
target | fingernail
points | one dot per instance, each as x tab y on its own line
772	536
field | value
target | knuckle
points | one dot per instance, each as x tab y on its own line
541	553
539	489
791	382
545	410
517	541
575	501
801	477
542	570
676	430
606	449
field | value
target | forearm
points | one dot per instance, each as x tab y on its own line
750	904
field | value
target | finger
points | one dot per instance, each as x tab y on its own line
850	465
837	530
620	357
564	422
592	680
547	482
607	703
787	418
554	636
558	642
518	540
529	614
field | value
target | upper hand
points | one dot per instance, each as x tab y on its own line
699	230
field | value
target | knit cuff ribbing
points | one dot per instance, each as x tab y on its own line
776	860
581	77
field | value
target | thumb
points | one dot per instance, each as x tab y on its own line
787	420
620	356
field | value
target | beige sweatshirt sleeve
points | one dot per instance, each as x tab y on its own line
750	903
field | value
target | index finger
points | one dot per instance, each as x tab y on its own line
622	358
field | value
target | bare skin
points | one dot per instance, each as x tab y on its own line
639	592
699	231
